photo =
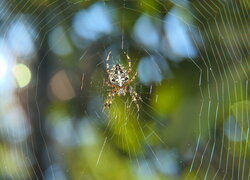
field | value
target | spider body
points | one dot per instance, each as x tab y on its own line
119	80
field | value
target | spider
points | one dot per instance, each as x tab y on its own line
119	80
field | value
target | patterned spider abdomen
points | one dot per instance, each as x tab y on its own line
118	75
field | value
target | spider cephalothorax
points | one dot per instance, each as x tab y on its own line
118	79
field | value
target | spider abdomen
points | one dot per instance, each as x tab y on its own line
118	75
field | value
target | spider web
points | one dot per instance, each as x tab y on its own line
193	63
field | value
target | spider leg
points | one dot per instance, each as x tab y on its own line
135	96
129	63
107	62
132	79
107	83
109	99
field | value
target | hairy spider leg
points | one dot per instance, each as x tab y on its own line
129	63
135	96
108	83
107	62
132	79
109	99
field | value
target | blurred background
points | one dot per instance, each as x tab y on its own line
192	59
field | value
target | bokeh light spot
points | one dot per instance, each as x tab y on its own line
233	130
146	32
61	86
20	39
93	22
22	75
178	35
59	43
153	69
3	68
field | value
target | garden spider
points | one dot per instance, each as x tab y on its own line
118	79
